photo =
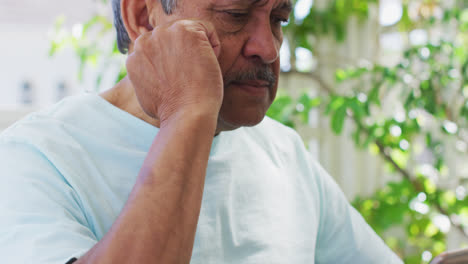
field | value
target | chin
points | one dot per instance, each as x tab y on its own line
231	119
243	109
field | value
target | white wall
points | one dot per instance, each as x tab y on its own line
25	40
27	60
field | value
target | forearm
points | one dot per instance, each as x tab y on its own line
158	223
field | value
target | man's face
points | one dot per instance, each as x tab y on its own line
250	34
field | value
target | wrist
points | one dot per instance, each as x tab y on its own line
206	119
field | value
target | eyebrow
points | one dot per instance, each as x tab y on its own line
286	5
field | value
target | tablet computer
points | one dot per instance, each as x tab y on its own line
459	256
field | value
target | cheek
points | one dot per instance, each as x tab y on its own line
225	25
231	51
276	68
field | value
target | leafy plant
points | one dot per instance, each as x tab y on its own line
86	40
429	88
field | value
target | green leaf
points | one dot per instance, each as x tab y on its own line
341	75
358	108
335	103
338	118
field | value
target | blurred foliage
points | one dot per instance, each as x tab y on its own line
412	114
330	20
86	41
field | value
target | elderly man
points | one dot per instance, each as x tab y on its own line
177	163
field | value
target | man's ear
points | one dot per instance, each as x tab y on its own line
136	17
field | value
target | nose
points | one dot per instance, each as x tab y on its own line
262	44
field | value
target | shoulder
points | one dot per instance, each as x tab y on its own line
81	117
46	121
51	133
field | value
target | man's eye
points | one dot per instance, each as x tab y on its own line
281	21
237	15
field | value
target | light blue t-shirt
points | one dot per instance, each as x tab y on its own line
66	173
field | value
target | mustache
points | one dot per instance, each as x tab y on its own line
259	73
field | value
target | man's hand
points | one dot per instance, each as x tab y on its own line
177	78
174	68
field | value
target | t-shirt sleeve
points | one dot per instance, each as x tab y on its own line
344	236
41	220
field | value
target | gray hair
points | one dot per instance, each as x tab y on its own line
123	40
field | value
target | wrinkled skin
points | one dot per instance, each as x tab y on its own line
216	56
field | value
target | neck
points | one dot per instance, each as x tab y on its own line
123	96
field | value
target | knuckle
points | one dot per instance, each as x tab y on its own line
142	40
185	22
186	25
129	61
156	31
138	44
130	64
